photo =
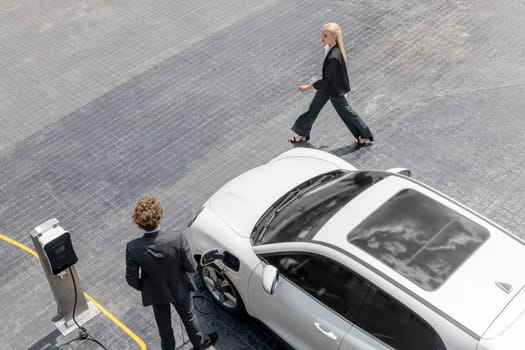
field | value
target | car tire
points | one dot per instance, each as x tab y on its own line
221	289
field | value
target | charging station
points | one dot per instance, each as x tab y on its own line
58	258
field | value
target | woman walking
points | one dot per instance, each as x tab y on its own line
333	86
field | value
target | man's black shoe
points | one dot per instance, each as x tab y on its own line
209	340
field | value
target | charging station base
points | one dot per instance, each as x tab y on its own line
81	319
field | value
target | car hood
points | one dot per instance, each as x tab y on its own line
243	200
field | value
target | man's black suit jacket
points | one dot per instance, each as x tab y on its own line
159	265
335	77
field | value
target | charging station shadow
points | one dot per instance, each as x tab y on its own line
51	341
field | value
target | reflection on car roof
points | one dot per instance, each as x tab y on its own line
418	237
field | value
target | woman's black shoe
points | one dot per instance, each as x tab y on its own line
364	141
300	140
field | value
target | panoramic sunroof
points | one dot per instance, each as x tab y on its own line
418	237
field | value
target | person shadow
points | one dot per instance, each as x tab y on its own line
341	151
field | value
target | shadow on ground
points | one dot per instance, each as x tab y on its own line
49	342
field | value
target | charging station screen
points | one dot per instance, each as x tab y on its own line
59	249
60	253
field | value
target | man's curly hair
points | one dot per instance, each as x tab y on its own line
147	213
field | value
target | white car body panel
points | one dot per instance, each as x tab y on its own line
464	296
360	340
253	192
456	339
290	325
469	310
507	331
224	239
299	327
312	153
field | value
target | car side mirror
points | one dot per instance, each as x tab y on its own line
401	171
209	256
269	278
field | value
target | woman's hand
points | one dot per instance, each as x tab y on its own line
304	88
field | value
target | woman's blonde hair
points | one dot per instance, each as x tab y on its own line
335	29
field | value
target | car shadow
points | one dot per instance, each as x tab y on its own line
303	145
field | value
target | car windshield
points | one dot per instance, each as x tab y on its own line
300	214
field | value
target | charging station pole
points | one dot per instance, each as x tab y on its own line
54	247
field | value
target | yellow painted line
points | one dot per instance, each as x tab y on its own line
102	309
115	320
19	245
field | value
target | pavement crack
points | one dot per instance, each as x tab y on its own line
51	192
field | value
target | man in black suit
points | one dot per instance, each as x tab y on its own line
159	265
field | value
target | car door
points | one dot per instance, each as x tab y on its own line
385	323
313	302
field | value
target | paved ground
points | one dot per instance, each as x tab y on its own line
102	102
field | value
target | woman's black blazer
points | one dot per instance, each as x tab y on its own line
335	77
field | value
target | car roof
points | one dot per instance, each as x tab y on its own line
473	291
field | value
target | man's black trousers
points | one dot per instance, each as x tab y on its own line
186	311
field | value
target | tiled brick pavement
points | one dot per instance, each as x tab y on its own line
102	103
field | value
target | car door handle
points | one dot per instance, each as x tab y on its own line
324	331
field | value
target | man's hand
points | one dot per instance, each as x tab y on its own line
305	88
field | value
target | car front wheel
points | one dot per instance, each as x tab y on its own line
221	289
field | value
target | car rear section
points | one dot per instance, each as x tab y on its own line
508	330
446	255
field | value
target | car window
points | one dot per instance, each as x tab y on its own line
329	282
391	322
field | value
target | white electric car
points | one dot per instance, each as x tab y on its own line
330	257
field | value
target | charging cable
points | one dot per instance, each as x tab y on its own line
82	333
200	297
